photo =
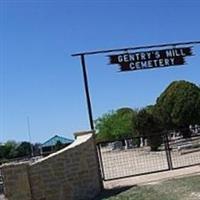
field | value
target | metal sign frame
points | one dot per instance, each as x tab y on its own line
84	70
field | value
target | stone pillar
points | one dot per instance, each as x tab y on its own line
16	181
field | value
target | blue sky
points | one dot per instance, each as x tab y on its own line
40	79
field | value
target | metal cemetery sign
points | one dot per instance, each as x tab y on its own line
151	59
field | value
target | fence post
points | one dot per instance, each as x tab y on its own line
100	161
167	150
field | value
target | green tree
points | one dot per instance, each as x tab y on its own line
149	109
1	151
148	126
179	106
8	150
24	149
115	124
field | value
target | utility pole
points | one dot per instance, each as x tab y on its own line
29	135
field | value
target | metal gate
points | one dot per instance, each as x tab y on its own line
184	152
137	155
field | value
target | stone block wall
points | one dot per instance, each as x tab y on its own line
69	174
16	181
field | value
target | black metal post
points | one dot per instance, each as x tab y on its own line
167	150
87	91
100	161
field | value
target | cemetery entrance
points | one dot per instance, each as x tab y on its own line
136	156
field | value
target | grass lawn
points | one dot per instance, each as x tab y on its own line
177	189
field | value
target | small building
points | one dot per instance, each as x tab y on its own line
54	144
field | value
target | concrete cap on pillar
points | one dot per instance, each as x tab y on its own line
81	133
